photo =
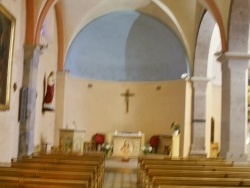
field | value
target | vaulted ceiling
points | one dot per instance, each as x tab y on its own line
183	17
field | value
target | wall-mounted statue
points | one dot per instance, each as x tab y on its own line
49	93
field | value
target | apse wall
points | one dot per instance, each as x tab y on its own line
126	46
99	106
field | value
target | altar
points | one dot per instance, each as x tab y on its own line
127	144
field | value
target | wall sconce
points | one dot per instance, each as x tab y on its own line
90	85
158	88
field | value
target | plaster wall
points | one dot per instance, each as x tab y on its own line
45	121
213	111
9	129
98	106
188	119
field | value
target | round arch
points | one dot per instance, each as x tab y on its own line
127	46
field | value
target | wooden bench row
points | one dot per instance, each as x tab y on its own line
21	182
55	171
64	162
87	177
159	173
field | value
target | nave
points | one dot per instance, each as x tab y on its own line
95	170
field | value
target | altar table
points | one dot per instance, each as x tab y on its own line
127	144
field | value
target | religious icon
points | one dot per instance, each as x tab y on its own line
50	87
127	94
127	147
7	27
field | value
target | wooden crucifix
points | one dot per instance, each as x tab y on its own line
127	95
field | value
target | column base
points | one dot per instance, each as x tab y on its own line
241	157
198	153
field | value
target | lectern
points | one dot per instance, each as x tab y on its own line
71	140
176	145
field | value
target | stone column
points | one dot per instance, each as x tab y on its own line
199	117
26	133
234	106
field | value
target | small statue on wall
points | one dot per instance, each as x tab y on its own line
49	94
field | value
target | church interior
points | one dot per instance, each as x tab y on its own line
126	79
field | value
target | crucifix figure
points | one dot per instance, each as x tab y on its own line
127	95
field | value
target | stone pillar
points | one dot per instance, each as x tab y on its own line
26	133
234	106
199	117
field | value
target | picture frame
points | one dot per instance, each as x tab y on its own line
7	31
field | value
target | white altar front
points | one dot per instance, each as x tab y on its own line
127	144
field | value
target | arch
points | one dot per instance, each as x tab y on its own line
127	46
217	16
203	44
60	36
30	22
42	16
239	26
171	15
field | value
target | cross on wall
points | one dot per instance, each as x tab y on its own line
127	94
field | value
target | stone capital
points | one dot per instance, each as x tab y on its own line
233	55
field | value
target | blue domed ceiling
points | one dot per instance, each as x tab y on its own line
126	46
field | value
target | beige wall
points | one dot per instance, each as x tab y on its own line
9	126
101	108
213	110
188	120
45	122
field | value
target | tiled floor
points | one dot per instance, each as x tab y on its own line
120	174
120	180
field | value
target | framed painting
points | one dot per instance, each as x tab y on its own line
7	29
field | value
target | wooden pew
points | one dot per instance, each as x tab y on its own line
70	155
54	169
85	156
199	174
151	168
32	173
243	171
191	186
179	162
198	181
10	181
164	157
85	160
61	168
145	166
185	162
40	182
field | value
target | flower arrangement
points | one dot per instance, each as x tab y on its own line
106	147
147	149
175	126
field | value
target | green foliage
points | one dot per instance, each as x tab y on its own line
175	126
